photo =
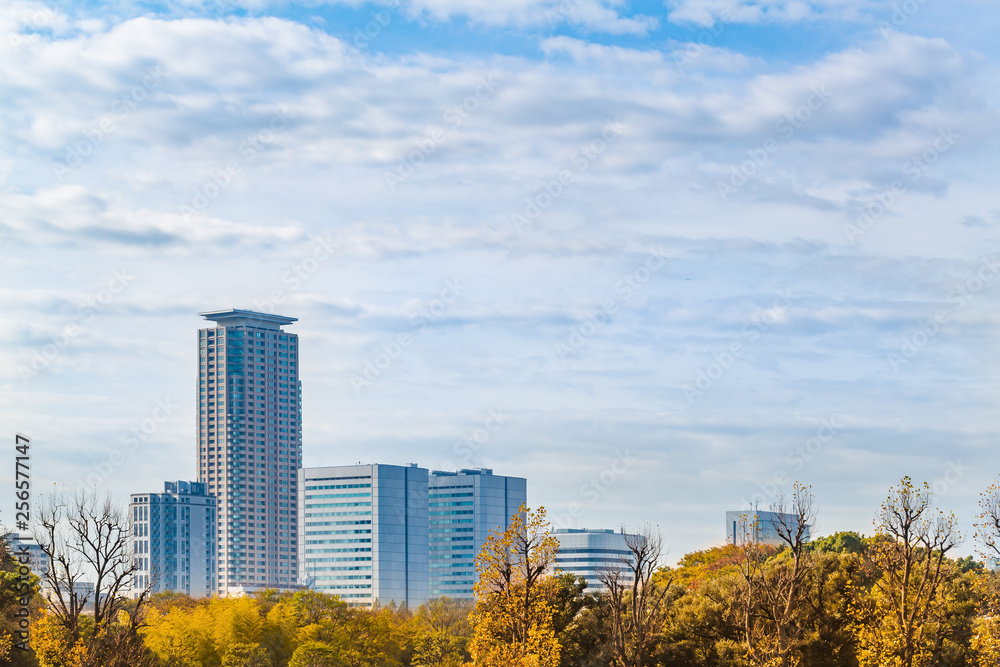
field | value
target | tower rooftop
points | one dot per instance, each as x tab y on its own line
235	317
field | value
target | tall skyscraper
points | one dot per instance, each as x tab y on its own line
250	445
364	532
463	507
174	539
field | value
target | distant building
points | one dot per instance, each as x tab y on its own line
363	533
590	553
763	525
38	561
463	508
174	539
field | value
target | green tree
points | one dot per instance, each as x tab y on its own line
847	542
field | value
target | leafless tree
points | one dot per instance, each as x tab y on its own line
637	603
988	527
86	539
772	605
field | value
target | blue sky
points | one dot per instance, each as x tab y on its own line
690	252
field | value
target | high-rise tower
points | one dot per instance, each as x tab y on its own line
250	445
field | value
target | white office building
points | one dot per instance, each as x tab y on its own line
590	553
463	507
762	526
174	540
363	533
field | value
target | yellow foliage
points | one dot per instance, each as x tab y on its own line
53	645
986	641
513	616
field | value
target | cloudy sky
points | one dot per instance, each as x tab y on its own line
661	258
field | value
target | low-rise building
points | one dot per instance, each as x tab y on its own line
591	553
761	526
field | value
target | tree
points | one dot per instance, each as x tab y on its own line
988	527
442	633
86	538
782	595
847	542
637	604
316	654
575	621
774	612
513	615
901	619
246	655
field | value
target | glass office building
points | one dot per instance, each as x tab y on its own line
174	539
760	526
463	507
590	553
363	532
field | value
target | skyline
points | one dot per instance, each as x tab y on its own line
561	244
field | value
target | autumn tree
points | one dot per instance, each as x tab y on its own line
901	619
442	631
986	641
513	615
247	655
636	604
316	654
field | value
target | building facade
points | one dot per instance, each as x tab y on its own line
463	507
174	539
363	533
760	526
250	445
591	553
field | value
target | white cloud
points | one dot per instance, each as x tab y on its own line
709	12
355	117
